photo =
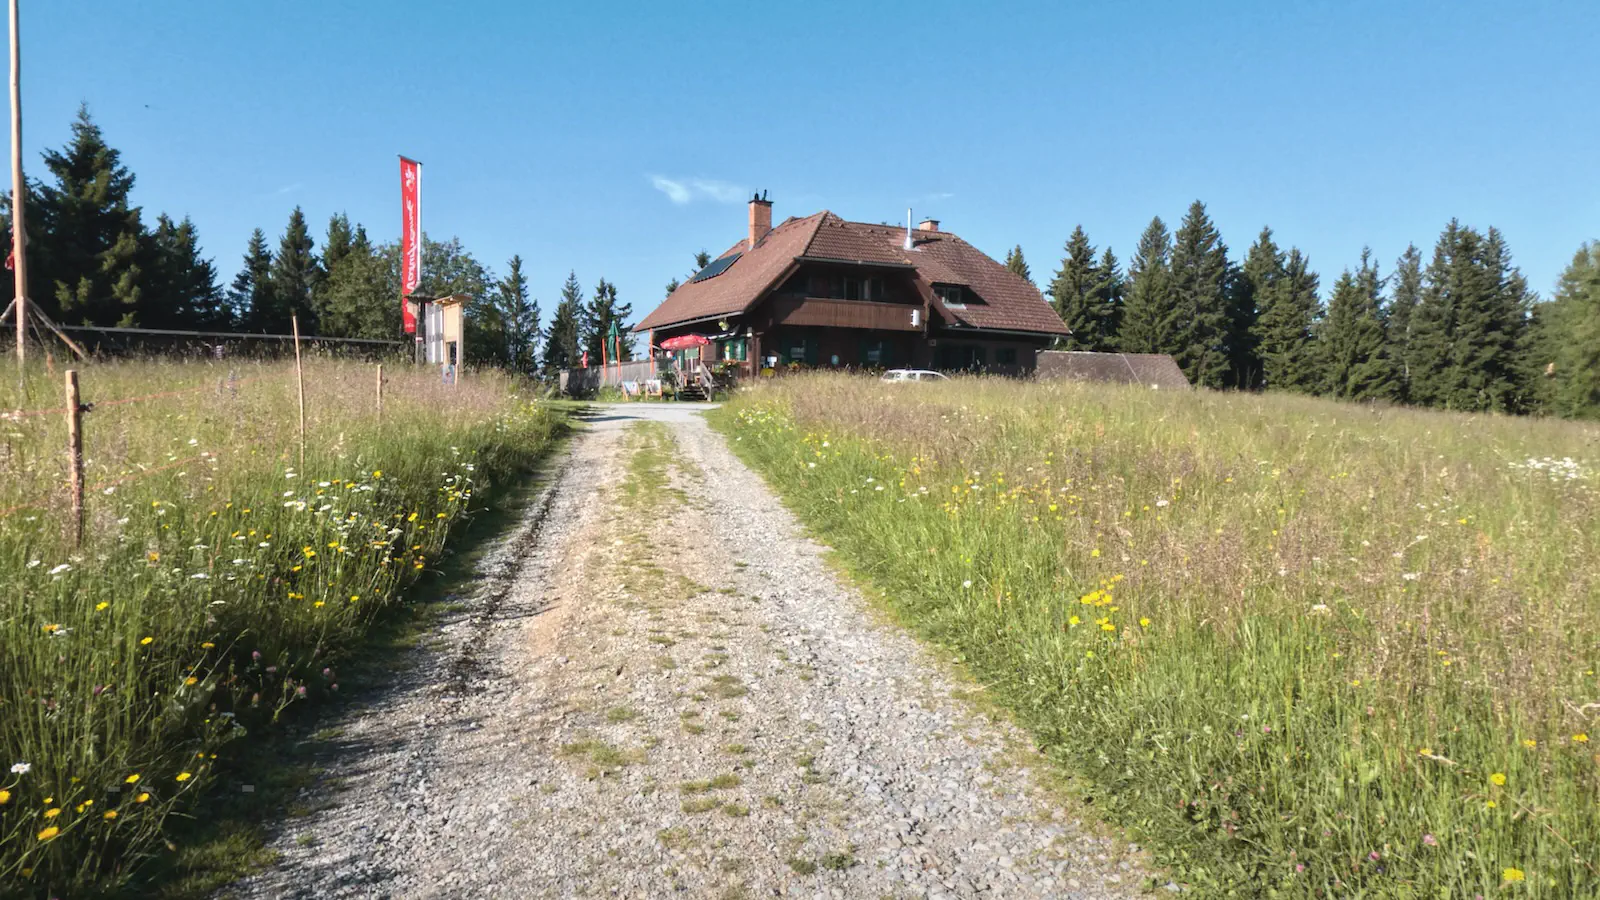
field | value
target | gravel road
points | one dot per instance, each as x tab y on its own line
660	689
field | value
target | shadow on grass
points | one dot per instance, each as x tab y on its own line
259	783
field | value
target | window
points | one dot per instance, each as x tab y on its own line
1005	356
735	349
874	354
951	295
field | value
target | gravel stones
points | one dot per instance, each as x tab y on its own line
678	699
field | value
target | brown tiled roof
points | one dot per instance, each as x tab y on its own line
1154	369
1009	303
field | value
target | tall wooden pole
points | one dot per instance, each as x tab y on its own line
380	392
19	243
75	454
300	386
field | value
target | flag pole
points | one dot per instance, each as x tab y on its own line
19	242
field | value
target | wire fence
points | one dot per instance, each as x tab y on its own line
73	413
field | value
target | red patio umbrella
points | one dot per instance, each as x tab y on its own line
685	341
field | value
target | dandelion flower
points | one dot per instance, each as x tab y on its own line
49	833
1512	875
131	779
1490	804
377	473
146	640
5	797
1580	738
99	607
142	798
1095	553
52	812
1144	623
1498	779
184	776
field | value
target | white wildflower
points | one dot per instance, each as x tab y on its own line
21	768
59	569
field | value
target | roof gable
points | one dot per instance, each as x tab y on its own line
1010	302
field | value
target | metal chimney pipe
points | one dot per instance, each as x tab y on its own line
908	228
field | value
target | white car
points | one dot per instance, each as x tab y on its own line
913	375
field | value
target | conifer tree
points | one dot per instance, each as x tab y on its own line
561	347
1403	300
1107	296
360	295
93	238
1567	354
295	275
1150	321
1254	289
520	313
251	293
701	260
182	289
1072	293
1469	326
602	310
1018	265
1353	350
1284	330
339	241
1199	290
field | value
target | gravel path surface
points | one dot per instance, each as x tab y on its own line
619	711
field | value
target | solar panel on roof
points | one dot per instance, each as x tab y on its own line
716	268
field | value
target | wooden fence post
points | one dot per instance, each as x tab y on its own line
380	393
75	454
300	386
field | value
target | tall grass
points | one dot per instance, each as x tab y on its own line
1301	649
220	581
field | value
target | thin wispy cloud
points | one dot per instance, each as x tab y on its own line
939	195
687	190
289	188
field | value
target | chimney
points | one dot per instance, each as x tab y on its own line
928	225
760	219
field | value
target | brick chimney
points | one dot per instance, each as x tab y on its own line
928	225
760	219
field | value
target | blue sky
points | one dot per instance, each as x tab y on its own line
617	139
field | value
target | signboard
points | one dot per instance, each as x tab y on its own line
410	237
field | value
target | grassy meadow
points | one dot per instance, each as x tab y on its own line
1297	648
220	581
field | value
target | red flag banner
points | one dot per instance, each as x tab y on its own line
410	237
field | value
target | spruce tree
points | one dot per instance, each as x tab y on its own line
360	296
1568	352
1284	329
1107	296
182	290
1469	326
295	275
339	241
1150	319
1255	288
93	238
1199	290
603	310
1403	300
1072	293
1353	349
520	313
701	260
561	345
251	294
1018	265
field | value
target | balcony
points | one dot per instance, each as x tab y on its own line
818	311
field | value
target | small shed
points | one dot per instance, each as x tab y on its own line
1157	370
445	332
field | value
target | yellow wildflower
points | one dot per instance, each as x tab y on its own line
1512	875
146	640
191	680
1530	743
52	813
110	814
99	607
1144	623
1498	779
1580	738
49	833
131	779
184	776
5	797
142	798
